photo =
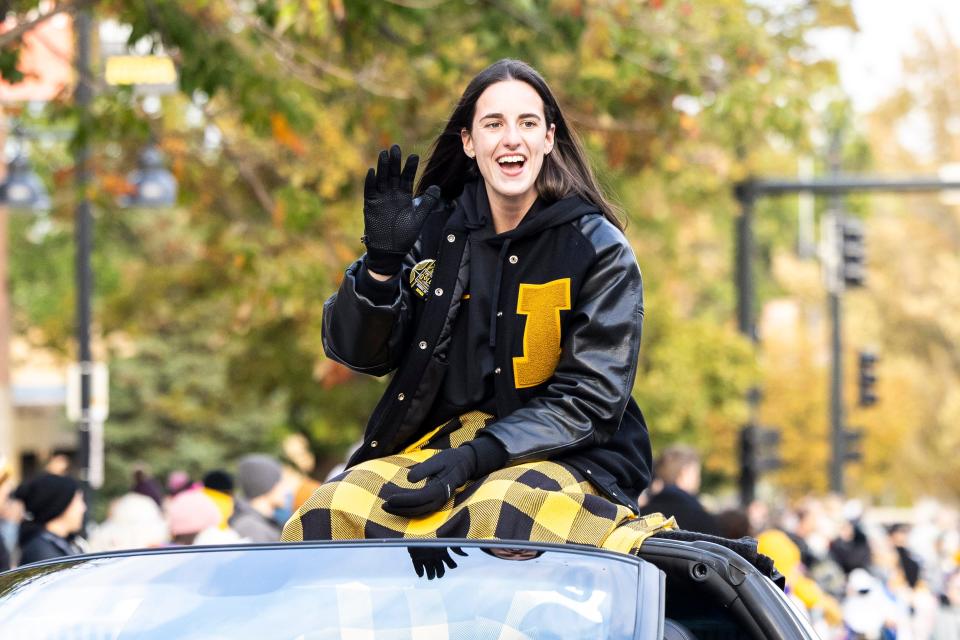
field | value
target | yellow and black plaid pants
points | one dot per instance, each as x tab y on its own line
537	501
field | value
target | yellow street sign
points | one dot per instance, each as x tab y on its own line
140	70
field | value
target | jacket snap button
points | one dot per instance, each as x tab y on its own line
400	397
499	313
589	473
497	370
451	238
423	344
373	444
438	292
513	259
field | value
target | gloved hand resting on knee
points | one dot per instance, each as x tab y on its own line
445	472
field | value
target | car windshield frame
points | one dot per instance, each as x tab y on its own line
608	583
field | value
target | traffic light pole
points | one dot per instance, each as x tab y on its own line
746	325
744	273
836	184
837	450
835	305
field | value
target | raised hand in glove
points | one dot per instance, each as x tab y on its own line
430	560
391	221
445	472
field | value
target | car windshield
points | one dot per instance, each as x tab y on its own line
307	593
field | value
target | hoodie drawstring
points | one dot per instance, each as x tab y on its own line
495	300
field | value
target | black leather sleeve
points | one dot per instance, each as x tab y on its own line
368	333
584	400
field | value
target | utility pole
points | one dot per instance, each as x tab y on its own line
83	233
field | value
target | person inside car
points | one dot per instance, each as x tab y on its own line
507	303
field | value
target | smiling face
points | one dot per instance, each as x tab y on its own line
509	138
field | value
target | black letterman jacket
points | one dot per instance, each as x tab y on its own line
574	406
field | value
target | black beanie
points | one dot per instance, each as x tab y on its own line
218	480
47	496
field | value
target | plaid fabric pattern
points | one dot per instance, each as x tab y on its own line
539	501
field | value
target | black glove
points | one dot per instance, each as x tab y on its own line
446	471
391	221
432	559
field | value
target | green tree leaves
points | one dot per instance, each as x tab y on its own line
211	312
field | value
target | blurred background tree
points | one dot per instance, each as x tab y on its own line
209	314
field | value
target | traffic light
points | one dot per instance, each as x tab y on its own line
852	445
866	379
759	452
853	253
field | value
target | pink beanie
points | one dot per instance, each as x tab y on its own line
191	512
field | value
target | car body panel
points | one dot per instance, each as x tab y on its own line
336	590
369	589
716	593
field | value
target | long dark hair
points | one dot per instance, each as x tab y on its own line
565	169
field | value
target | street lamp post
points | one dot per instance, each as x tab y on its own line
154	186
83	233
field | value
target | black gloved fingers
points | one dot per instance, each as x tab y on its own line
459	551
430	467
418	566
370	185
450	562
428	201
412	512
433	561
458	464
435	492
409	172
383	171
418	502
395	157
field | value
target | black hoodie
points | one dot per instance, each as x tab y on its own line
474	336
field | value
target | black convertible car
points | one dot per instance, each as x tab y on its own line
678	588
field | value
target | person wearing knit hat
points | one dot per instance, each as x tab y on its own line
259	477
134	521
147	485
218	485
177	481
54	509
189	513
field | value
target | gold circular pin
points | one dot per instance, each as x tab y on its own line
420	277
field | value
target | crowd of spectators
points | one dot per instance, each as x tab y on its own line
870	573
43	517
858	572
